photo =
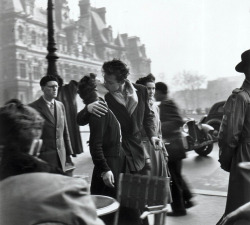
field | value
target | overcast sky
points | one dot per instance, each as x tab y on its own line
204	36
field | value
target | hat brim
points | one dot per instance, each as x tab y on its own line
240	67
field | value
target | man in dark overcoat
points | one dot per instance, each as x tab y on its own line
67	95
234	138
56	148
171	121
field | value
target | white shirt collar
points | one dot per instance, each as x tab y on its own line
49	102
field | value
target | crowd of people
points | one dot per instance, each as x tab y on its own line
129	133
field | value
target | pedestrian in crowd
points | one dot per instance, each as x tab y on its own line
171	122
104	142
20	131
129	103
30	191
67	95
234	138
159	158
56	148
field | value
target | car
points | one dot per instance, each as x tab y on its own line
214	117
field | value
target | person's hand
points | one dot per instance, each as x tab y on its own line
97	108
157	143
108	179
241	213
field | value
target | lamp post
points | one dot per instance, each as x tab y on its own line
52	56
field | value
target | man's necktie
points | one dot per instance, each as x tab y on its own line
52	109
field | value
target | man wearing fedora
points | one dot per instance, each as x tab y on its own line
234	138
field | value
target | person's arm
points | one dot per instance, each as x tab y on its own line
97	131
231	128
66	137
242	213
98	108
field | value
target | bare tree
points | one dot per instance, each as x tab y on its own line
190	82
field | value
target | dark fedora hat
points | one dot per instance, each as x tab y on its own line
245	60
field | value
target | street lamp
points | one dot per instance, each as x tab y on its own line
52	56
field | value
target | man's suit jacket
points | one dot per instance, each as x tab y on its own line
55	136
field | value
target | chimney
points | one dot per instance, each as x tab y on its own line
84	8
102	13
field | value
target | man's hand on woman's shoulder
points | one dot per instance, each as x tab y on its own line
97	108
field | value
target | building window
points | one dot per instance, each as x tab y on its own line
75	72
44	40
81	72
22	70
65	47
67	71
36	72
21	97
33	37
20	33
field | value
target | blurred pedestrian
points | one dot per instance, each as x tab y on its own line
171	122
234	138
56	148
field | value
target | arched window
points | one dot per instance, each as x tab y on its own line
20	33
33	37
22	70
37	72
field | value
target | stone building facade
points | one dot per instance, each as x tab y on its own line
82	46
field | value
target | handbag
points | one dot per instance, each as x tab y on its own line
175	148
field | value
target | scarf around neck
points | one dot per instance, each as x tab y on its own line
128	98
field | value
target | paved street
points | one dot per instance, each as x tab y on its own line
204	173
207	181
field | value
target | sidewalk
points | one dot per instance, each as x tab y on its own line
207	211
